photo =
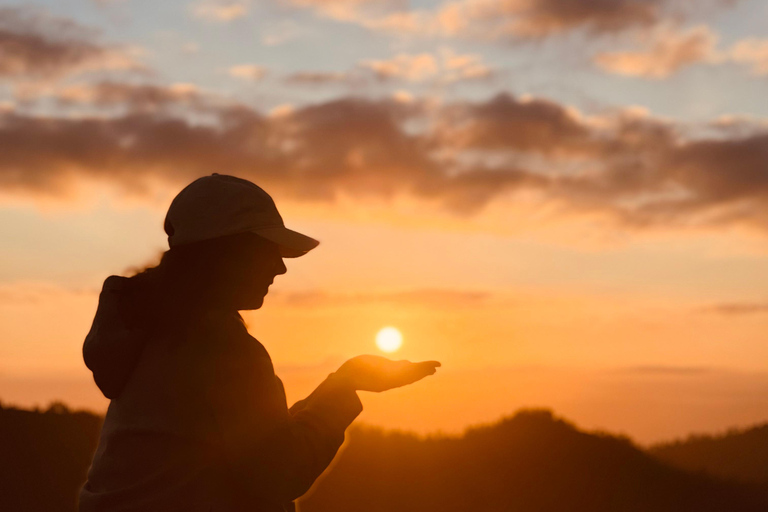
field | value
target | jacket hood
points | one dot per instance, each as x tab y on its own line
114	344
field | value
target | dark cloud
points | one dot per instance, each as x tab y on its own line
528	19
739	308
508	123
317	78
673	371
35	45
640	171
542	17
134	97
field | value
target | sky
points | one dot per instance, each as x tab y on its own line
563	201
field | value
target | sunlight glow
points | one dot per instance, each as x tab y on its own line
389	339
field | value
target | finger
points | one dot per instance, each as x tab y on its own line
428	367
404	363
417	371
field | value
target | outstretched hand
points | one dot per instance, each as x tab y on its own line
376	373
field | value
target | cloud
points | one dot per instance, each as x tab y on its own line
464	67
316	77
512	19
251	72
37	46
445	66
136	97
751	52
672	371
429	298
739	308
538	18
635	170
220	10
38	292
350	10
667	52
448	66
414	68
513	124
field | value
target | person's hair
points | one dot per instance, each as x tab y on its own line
187	279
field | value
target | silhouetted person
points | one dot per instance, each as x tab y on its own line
198	421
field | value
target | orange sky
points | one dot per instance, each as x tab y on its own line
567	208
634	337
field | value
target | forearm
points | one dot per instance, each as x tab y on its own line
286	462
332	384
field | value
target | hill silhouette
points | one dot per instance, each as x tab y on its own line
531	462
736	455
44	457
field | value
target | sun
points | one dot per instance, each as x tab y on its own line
389	339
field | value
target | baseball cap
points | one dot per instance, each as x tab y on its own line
219	205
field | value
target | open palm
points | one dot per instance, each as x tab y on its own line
376	373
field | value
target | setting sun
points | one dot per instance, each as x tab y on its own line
389	339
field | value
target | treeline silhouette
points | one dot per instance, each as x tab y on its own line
739	454
530	462
44	457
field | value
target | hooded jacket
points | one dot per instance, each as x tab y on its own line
198	420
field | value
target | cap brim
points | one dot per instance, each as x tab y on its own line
292	243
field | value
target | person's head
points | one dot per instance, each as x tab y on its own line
218	205
227	244
242	270
229	272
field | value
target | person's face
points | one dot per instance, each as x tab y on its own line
253	269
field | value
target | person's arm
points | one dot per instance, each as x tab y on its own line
296	452
274	455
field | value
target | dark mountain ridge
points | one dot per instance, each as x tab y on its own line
44	457
531	462
528	462
739	454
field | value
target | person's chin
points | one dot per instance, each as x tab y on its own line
255	303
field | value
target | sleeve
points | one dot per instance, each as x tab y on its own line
274	454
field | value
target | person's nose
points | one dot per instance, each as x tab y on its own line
280	267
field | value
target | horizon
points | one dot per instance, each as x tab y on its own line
56	407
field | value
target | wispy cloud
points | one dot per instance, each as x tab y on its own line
447	66
667	51
504	20
441	67
739	308
220	10
671	371
36	46
139	97
409	67
751	52
430	298
250	72
318	78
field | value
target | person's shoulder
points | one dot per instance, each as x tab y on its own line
115	281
